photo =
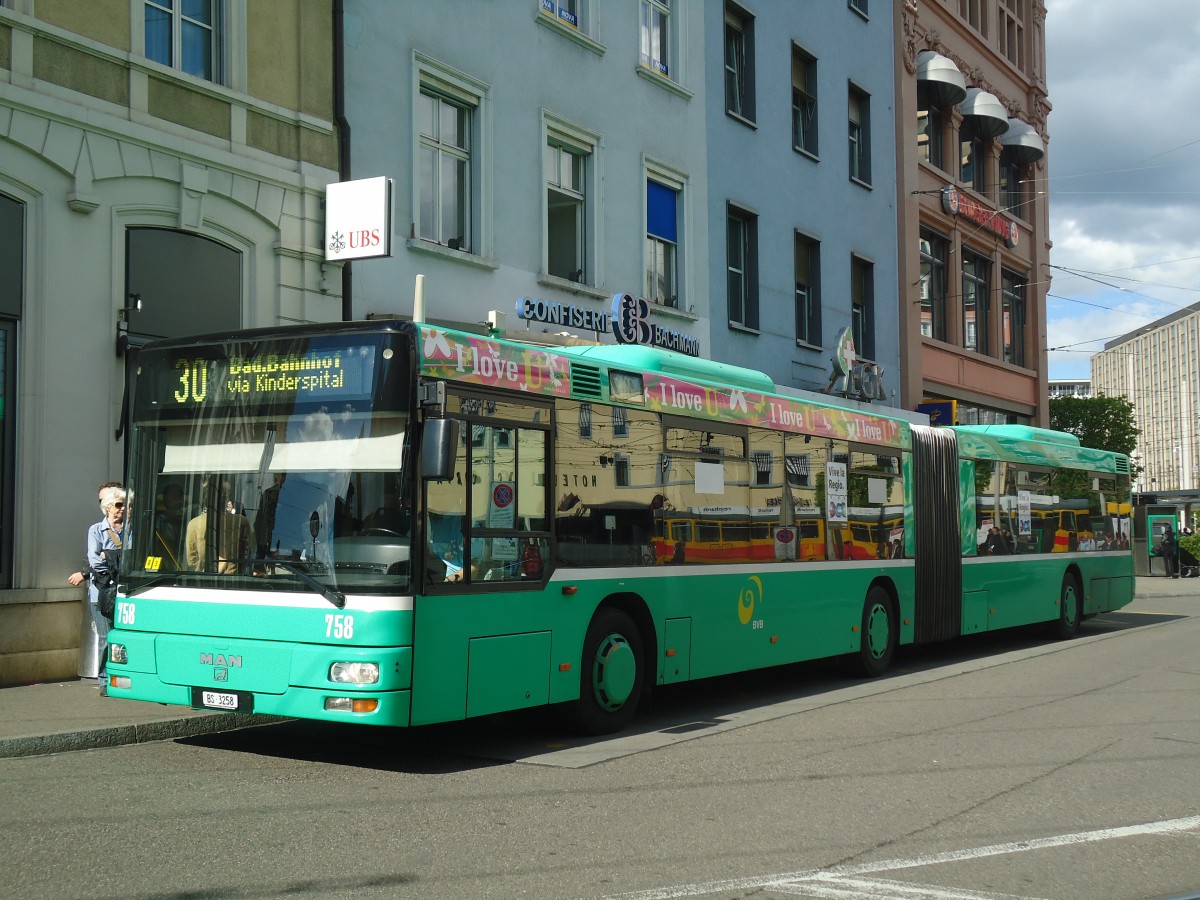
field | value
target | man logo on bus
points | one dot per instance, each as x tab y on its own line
751	593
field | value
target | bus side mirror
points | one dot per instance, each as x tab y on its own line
439	443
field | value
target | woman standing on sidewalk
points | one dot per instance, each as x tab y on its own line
104	536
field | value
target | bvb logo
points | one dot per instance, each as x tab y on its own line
750	594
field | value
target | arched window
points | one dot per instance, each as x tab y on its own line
186	284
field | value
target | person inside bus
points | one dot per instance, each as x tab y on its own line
994	545
678	557
233	534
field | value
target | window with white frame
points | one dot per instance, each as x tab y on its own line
859	6
804	101
656	36
569	169
564	11
185	35
662	243
566	230
445	167
449	132
859	107
742	266
739	62
575	19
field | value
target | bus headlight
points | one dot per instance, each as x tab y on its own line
118	654
354	673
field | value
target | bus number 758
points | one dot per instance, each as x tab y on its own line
340	627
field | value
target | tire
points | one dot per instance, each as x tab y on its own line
1070	610
612	673
879	634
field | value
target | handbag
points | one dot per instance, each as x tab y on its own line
106	579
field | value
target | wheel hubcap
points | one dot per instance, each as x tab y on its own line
1069	606
878	631
614	672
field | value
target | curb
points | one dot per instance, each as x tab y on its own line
119	735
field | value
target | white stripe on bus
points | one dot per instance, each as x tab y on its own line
359	603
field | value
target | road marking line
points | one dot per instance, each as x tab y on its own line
836	887
793	879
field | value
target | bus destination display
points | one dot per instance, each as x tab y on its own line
341	373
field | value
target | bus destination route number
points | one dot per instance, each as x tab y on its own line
318	374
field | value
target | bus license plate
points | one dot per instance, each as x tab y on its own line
218	700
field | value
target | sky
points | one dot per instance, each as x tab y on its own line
1123	170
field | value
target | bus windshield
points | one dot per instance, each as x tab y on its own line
271	465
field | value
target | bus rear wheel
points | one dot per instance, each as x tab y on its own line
1070	609
879	634
610	683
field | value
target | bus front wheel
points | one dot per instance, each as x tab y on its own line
1070	609
879	634
610	683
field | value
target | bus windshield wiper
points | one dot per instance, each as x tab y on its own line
337	598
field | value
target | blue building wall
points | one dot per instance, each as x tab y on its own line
527	70
530	70
755	167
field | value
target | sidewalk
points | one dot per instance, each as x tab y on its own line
71	715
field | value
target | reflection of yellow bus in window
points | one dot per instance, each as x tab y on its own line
725	535
722	535
871	532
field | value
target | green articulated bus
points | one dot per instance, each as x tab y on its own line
400	524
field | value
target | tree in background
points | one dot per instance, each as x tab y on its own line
1102	422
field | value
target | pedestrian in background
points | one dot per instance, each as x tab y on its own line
1169	548
77	578
104	536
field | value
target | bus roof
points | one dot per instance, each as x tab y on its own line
667	362
1022	433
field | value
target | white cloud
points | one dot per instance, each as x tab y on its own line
1124	168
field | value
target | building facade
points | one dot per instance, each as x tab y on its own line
801	169
971	130
1154	367
1068	387
162	167
541	151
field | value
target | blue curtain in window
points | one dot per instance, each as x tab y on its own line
158	34
660	211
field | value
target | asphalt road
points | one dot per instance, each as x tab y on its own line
995	767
